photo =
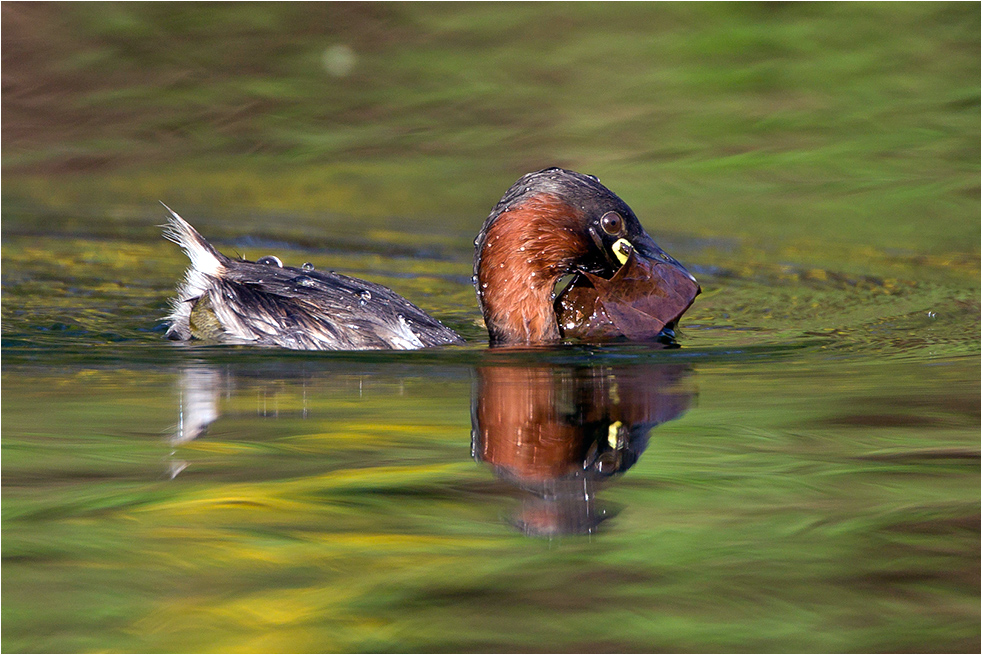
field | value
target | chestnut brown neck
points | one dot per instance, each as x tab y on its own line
525	251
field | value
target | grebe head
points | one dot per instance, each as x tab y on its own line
549	224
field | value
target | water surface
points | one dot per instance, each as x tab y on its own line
801	475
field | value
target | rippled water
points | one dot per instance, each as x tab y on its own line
803	474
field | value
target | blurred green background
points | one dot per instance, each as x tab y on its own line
815	165
844	123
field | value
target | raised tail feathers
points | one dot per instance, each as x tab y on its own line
206	265
204	258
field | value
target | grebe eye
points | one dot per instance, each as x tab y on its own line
612	223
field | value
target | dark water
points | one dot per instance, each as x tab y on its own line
803	474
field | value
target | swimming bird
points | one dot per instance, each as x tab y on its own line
548	225
557	222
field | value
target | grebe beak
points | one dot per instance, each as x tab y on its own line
649	250
648	292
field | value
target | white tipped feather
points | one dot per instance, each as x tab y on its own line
405	337
204	258
206	264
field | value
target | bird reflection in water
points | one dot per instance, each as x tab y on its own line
199	389
199	392
560	432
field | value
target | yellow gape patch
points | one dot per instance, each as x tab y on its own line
612	431
622	250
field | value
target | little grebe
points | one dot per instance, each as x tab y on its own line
556	222
549	224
